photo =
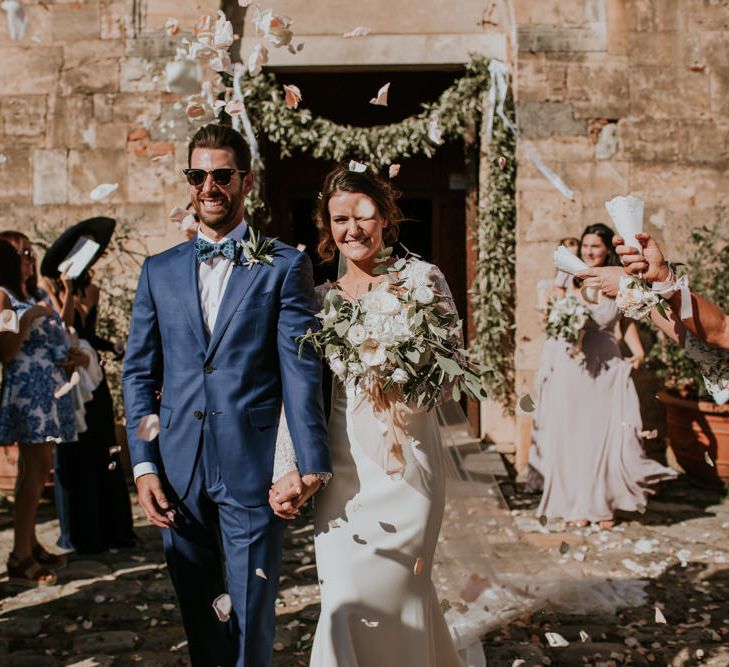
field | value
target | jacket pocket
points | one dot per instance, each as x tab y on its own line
256	301
165	416
264	416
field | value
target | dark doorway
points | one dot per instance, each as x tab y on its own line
433	189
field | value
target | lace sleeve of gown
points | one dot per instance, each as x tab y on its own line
284	460
714	363
447	305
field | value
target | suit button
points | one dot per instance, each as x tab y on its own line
197	414
208	369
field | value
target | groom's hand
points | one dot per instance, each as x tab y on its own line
152	498
283	495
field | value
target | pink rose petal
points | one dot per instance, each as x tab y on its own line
394	170
293	96
381	99
359	31
148	428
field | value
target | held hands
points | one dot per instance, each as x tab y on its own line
158	509
75	357
650	265
290	492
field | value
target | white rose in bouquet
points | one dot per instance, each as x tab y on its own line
338	366
372	352
423	294
380	301
417	274
399	376
356	334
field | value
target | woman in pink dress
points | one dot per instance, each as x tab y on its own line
587	425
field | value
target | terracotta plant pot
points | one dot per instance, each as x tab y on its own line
699	437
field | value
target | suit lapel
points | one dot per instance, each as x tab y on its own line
240	281
190	293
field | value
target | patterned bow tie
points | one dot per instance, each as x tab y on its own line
206	250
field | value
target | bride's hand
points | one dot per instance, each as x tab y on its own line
283	497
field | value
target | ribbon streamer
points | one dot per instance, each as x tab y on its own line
498	87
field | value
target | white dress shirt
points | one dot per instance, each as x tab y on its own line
212	279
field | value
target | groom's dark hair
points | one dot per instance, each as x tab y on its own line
221	136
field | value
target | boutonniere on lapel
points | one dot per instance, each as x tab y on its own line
254	250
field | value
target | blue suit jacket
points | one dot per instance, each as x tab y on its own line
231	383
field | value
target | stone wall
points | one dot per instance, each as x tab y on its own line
80	104
616	97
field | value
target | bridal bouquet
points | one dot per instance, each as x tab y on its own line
566	318
397	342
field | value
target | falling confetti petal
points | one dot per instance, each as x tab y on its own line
148	428
370	624
292	96
3	158
244	3
556	640
474	587
526	403
357	167
53	438
649	435
419	566
9	321
708	460
195	110
279	646
67	386
584	636
103	190
502	162
234	107
87	624
261	573
112	465
222	606
183	77
17	19
660	618
359	31
257	59
172	27
394	170
381	99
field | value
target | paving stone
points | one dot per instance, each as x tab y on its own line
112	641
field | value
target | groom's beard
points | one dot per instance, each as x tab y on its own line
230	210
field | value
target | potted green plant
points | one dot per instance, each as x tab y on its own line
698	428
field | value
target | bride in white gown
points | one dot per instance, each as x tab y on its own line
375	532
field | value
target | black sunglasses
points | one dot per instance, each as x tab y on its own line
197	177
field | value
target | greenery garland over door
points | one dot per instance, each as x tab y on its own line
459	109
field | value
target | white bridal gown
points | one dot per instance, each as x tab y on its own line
375	536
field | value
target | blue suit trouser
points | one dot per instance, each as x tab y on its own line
218	546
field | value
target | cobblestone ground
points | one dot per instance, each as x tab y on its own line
119	608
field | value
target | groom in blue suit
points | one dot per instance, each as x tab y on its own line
214	335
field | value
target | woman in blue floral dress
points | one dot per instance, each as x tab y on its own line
35	361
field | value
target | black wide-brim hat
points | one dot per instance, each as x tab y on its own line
99	229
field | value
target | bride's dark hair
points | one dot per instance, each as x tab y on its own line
368	182
606	236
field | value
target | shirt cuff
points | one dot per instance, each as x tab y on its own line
144	468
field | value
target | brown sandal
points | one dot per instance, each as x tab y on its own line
29	573
52	561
